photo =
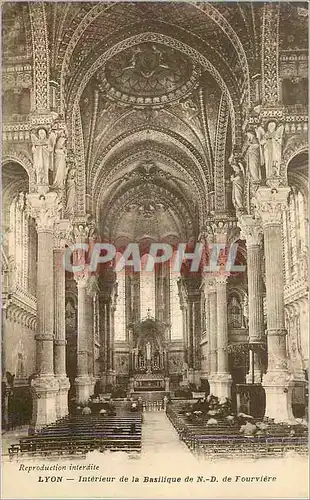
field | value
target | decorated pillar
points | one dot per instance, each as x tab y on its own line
218	231
252	232
83	229
184	309
45	210
271	203
102	339
91	290
107	290
211	291
59	320
223	377
82	381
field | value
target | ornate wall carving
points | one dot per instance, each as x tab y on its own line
40	55
270	54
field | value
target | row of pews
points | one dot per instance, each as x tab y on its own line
224	440
81	434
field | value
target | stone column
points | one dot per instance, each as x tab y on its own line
45	210
90	294
252	233
59	323
212	335
82	381
271	202
102	335
223	377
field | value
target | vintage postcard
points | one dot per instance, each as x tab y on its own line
154	249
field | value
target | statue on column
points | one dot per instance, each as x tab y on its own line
71	191
253	157
237	183
271	143
42	145
59	161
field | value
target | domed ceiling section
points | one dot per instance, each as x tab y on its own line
147	204
148	74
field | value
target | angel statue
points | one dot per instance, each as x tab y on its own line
237	183
252	154
41	147
271	143
59	163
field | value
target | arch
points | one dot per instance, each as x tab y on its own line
24	161
144	134
295	146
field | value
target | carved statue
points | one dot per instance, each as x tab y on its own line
271	143
253	156
71	191
237	183
148	351
41	147
60	168
21	201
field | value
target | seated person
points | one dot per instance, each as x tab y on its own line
86	410
212	421
134	407
103	411
248	429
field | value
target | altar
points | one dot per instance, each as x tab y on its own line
149	358
148	382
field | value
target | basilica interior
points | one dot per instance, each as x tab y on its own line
169	123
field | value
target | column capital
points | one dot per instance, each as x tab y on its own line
44	209
251	230
83	229
221	279
81	280
209	283
218	229
270	204
62	234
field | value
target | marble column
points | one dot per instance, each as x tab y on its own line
223	377
45	210
251	231
271	203
60	329
82	381
212	335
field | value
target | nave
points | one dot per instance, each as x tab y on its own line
180	125
199	427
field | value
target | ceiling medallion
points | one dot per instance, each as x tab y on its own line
148	74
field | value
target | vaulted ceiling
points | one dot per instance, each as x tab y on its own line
154	95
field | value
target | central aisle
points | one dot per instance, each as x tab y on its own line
159	435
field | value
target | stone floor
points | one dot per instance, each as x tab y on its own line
158	437
158	434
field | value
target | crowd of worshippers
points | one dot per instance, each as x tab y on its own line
213	411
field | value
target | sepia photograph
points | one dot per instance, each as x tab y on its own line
154	246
